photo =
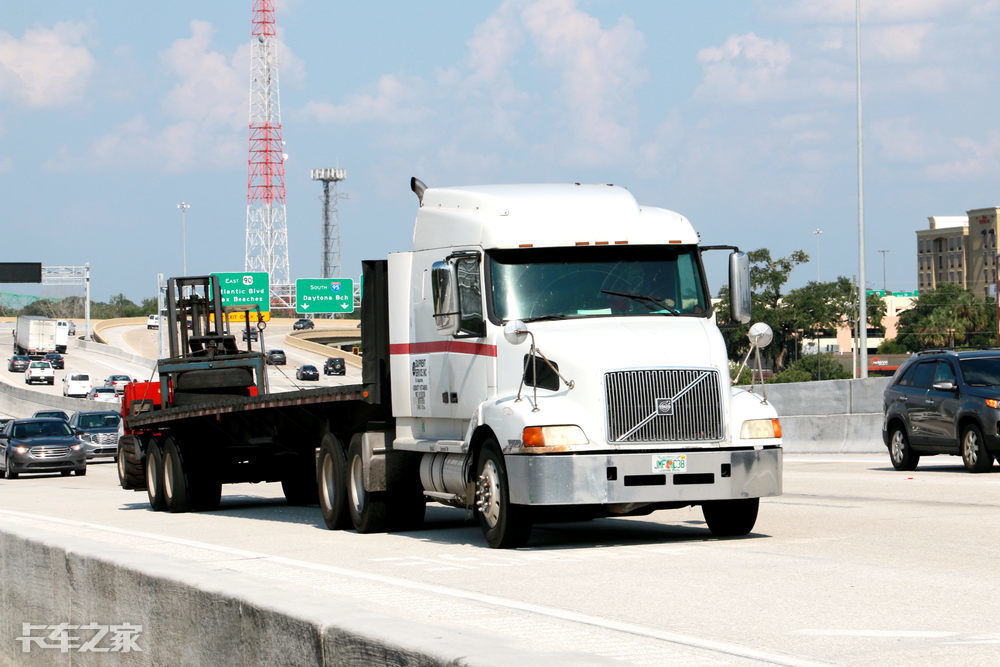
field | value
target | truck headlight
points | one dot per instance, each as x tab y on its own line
553	436
753	429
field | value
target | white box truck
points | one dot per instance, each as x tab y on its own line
544	352
34	336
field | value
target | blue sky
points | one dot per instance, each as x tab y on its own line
738	114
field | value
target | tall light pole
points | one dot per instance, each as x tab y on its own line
184	206
818	232
884	288
862	296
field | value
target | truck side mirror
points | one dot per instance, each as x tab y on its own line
444	283
739	287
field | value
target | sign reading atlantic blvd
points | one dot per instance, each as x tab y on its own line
240	289
324	295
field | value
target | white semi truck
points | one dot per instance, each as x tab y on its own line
543	352
34	336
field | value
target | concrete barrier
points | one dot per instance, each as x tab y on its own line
20	403
114	352
830	416
197	613
300	340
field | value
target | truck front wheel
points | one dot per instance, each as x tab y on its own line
504	524
731	518
367	508
154	477
331	477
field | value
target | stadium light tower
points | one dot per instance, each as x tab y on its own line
331	219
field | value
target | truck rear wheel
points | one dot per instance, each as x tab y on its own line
504	524
331	478
176	484
154	476
367	508
131	470
731	518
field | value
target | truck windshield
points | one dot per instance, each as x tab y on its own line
594	281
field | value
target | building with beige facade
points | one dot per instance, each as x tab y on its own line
959	250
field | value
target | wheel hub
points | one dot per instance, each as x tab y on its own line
487	494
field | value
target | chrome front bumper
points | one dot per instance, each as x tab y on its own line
600	479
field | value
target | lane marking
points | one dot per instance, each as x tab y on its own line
444	591
886	634
876	458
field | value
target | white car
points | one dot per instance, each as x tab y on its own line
77	384
40	371
119	382
153	322
103	395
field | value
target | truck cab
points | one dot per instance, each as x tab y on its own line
556	345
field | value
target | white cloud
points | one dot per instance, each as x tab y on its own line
902	42
392	100
745	68
980	160
48	67
840	11
212	88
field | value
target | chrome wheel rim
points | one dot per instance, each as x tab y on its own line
357	485
971	447
897	446
488	494
328	491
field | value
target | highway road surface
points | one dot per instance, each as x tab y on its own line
856	564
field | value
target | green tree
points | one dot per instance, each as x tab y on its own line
805	369
947	317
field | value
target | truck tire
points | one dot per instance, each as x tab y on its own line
154	477
300	486
504	524
731	518
131	470
367	508
331	480
176	482
405	502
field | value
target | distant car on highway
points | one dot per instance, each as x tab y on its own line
275	357
252	335
51	414
77	384
334	366
18	363
153	322
307	372
40	445
303	324
72	327
56	359
944	402
39	371
98	430
103	395
119	382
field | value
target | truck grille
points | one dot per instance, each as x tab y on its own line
49	451
663	405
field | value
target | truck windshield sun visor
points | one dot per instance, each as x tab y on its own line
533	284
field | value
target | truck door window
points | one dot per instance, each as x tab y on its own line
470	297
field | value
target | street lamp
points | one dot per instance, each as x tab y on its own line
184	206
884	289
818	232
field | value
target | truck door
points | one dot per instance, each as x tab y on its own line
471	359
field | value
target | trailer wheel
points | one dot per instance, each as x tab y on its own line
331	479
154	477
731	518
505	525
367	508
131	470
176	485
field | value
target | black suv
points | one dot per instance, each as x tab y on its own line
334	366
944	402
303	324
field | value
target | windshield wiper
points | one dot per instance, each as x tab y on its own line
647	300
542	318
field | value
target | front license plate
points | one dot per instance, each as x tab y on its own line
669	462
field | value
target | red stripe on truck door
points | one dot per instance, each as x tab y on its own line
458	346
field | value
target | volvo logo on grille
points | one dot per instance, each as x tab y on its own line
664	406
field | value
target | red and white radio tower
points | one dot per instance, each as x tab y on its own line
267	232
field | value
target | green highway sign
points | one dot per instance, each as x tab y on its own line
324	295
240	289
